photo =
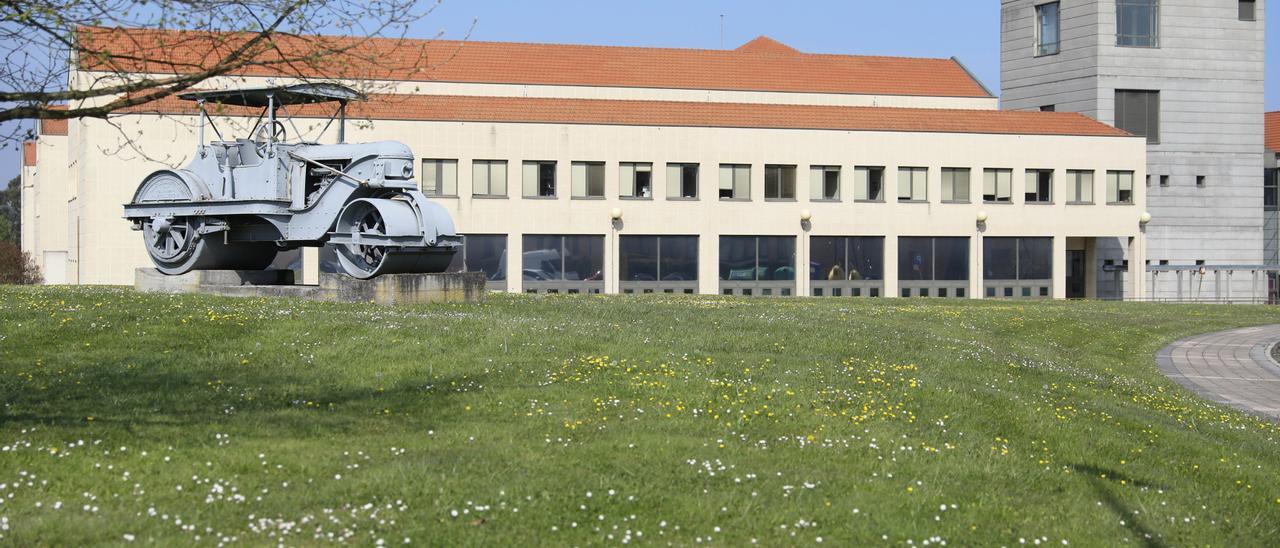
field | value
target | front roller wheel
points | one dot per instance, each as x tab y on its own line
367	261
176	247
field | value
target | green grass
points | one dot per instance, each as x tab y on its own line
584	420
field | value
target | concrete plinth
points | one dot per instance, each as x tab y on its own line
391	289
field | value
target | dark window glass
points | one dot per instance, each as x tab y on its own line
1269	190
679	258
1248	10
1035	258
846	258
737	258
486	253
689	181
915	258
1138	112
777	258
827	258
584	258
638	258
780	182
542	258
1048	108
1138	23
547	179
1000	258
1047	29
951	258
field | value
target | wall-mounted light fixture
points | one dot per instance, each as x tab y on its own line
982	216
615	214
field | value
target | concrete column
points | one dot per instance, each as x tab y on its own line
975	265
1091	270
1059	288
709	264
311	266
802	262
1137	266
891	265
515	262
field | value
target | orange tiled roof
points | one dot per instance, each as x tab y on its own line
1272	131
760	65
688	114
28	153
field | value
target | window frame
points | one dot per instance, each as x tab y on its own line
997	171
1253	10
538	166
588	167
681	167
1074	186
1027	181
1041	46
968	185
879	199
818	182
440	169
1154	21
623	183
734	170
924	184
1132	190
488	168
782	171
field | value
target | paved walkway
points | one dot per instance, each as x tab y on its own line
1229	367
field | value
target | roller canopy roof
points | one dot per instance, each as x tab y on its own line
296	94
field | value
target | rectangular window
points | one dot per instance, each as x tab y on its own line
440	177
1048	108
868	184
1200	181
1017	258
1164	180
779	182
997	186
834	258
1119	187
563	258
482	253
540	179
824	183
1138	23
1138	112
757	258
929	258
1047	29
658	258
588	179
1271	189
682	181
1039	188
635	179
1079	186
489	178
955	184
913	184
1248	10
735	182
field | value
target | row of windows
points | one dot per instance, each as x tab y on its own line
581	258
635	180
1137	23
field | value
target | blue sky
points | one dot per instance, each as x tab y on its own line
968	29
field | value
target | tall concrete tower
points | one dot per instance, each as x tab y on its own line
1187	74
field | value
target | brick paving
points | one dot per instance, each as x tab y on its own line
1230	367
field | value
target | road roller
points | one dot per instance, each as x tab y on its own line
241	201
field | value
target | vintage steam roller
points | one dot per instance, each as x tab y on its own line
240	201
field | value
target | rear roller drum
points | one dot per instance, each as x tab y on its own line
177	247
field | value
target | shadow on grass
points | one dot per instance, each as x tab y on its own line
276	404
1098	478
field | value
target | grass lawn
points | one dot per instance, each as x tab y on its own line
581	420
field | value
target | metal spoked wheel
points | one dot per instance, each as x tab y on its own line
177	247
365	217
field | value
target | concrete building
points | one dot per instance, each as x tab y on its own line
760	170
1187	75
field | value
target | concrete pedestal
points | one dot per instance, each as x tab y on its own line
391	289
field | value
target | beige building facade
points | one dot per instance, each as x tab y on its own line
628	185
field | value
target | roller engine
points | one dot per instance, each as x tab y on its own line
241	201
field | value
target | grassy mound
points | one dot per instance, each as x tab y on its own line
580	420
